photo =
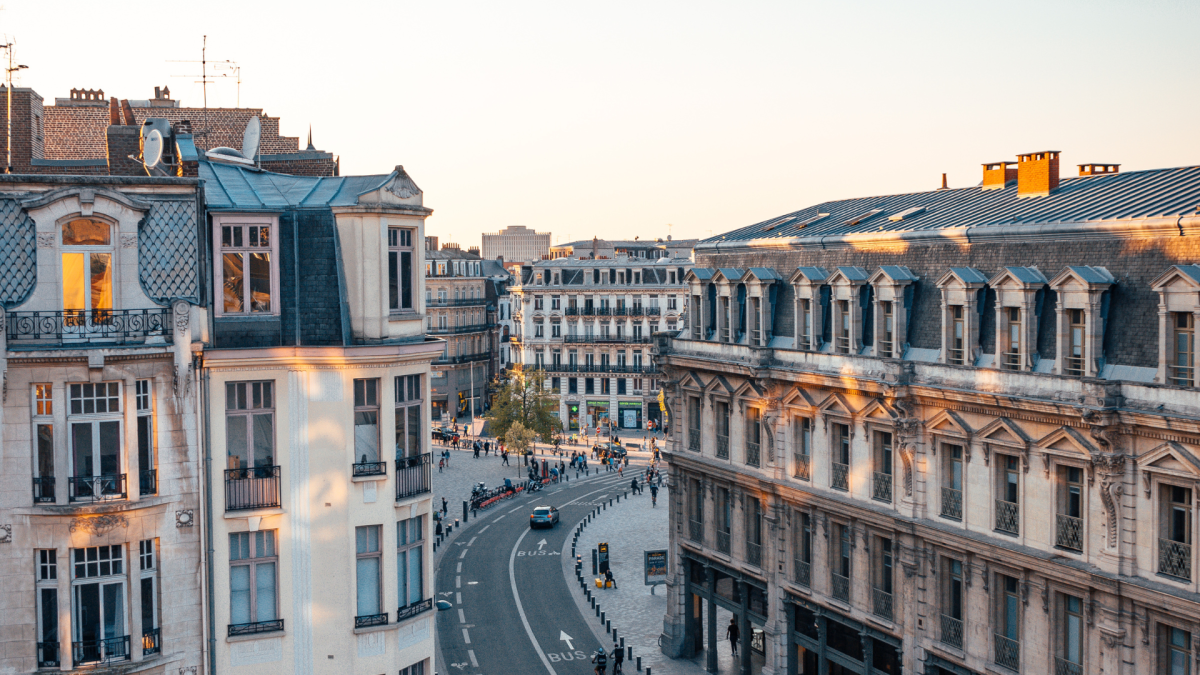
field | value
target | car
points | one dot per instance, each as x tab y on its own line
613	449
546	516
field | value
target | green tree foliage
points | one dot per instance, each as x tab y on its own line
519	438
523	399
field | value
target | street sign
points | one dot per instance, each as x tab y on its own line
655	567
603	547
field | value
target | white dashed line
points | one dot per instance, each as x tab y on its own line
472	541
466	636
458	582
459	570
458	598
471	655
497	519
485	527
464	553
462	618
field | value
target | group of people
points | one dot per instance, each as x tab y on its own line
652	479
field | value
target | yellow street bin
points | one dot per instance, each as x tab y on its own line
599	583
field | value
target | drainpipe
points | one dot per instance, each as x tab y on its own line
206	476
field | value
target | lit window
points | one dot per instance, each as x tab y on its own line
247	268
87	266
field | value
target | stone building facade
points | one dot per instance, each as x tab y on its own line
516	243
460	312
588	324
945	432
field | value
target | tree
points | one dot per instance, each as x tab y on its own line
523	399
519	438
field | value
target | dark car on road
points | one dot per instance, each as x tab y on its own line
613	449
543	516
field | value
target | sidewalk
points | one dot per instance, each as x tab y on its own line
631	527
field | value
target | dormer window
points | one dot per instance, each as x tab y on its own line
1011	355
1082	306
1018	296
400	269
1181	369
886	334
962	294
247	266
1073	364
87	266
957	354
893	288
811	305
843	323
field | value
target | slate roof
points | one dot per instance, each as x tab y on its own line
765	273
969	275
1092	275
1119	196
230	187
1028	275
898	273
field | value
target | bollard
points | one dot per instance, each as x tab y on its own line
464	510
602	618
647	670
639	663
607	626
623	647
610	502
614	632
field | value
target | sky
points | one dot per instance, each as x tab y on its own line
623	119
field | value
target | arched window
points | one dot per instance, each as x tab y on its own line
87	266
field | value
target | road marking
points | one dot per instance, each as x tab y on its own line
462	618
458	582
512	580
562	635
472	541
485	527
467	638
459	570
471	655
498	518
541	544
458	598
514	510
464	554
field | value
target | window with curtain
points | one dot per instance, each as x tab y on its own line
409	398
253	569
250	425
410	560
367	570
87	265
400	269
248	268
366	421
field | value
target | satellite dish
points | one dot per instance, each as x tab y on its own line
251	138
152	148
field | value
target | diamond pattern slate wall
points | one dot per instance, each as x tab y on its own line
18	254
168	252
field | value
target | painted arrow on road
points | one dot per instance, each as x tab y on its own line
541	544
562	635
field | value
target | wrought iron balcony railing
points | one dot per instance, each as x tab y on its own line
1008	517
43	490
722	541
803	467
1065	667
109	326
754	553
1175	559
1068	532
696	531
462	358
952	631
803	573
413	609
601	368
414	476
255	627
881	486
840	586
368	469
457	330
881	604
752	453
840	477
371	620
1008	653
151	641
97	488
693	439
722	447
47	655
461	302
107	650
616	339
255	487
147	482
951	503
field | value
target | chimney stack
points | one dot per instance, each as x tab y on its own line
944	186
1096	169
1037	173
997	174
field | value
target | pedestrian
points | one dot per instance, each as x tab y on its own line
620	469
505	456
653	495
438	531
633	486
608	579
441	464
444	507
732	634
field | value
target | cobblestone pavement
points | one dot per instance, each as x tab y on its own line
631	527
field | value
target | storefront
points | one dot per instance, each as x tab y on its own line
597	414
572	417
437	408
630	414
712	588
826	641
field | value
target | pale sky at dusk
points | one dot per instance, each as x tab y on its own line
617	118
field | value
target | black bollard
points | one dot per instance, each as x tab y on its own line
607	626
602	618
464	510
639	662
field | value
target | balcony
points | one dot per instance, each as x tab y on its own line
97	488
107	650
1008	517
722	541
461	302
43	490
414	476
956	357
1180	375
457	330
252	488
752	454
368	469
840	587
1010	361
803	467
881	486
602	368
754	553
147	482
722	447
371	620
635	310
1175	559
840	477
951	503
696	531
462	358
47	655
152	642
105	326
255	627
1008	653
414	609
952	632
1065	667
881	604
693	439
1073	366
611	339
803	573
1068	532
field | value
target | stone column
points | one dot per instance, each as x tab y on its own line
744	628
711	646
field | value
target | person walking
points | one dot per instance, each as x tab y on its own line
732	633
653	495
504	455
444	507
633	486
441	463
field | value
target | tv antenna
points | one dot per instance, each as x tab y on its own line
8	73
225	69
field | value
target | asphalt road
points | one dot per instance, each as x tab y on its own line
512	609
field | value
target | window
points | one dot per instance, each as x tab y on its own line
1068	525
695	503
886	339
722	429
1008	479
1077	331
250	425
253	570
43	395
1181	367
87	266
98	602
621	386
1011	338
952	481
843	327
724	519
147	476
537	302
803	549
572	384
881	479
802	449
753	436
1174	651
589	385
806	334
247	269
43	470
693	420
410	393
367	566
415	669
95	439
605	385
366	426
881	590
46	581
1007	640
410	561
671	306
555	302
1069	659
555	330
840	476
539	330
400	269
952	603
1175	540
554	385
839	563
958	354
753	513
148	577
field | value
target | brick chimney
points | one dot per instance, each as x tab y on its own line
997	174
1037	173
1095	169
